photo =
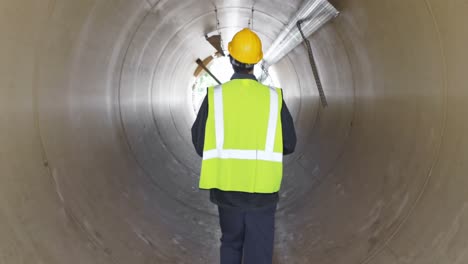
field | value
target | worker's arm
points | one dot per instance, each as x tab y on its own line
289	133
198	128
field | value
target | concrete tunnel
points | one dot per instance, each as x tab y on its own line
96	160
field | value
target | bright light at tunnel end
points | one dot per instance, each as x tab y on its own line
222	69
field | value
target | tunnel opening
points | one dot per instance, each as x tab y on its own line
221	68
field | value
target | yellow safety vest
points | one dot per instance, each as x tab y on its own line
243	148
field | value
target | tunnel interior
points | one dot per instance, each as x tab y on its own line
96	159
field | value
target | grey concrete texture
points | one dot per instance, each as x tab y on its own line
96	161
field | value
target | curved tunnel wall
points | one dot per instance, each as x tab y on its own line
97	166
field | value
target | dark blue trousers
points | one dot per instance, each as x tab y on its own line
247	235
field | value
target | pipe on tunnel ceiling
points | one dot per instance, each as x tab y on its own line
96	163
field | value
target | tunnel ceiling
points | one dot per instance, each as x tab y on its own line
96	161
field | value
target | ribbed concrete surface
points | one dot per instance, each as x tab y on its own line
96	163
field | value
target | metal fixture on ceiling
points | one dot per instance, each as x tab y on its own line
309	18
315	14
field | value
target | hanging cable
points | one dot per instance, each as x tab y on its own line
313	65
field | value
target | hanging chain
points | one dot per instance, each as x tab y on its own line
217	29
313	64
266	75
253	10
251	19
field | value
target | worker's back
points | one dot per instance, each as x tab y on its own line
243	141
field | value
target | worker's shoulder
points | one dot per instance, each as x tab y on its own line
274	88
248	82
270	86
235	84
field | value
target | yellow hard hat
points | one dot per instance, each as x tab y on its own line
246	47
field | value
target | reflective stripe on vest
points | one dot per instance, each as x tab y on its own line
220	153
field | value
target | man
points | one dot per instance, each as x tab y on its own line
242	131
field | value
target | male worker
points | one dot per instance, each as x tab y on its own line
242	130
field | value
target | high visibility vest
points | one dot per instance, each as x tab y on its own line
243	148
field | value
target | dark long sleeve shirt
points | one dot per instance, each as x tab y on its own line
241	199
